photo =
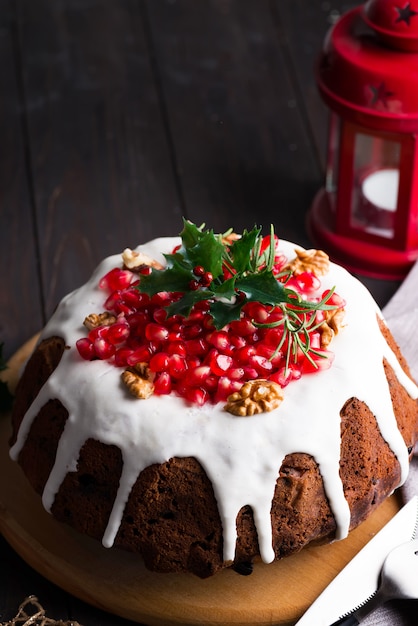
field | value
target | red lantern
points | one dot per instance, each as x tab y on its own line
366	217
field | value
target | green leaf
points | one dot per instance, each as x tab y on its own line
191	234
173	279
226	289
241	250
208	253
262	287
224	312
184	305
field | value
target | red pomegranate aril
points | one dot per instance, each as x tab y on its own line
163	384
220	340
156	332
159	315
118	333
319	364
193	361
176	348
85	348
273	336
121	356
271	353
197	395
261	364
220	364
257	312
237	341
243	327
177	366
140	355
242	355
192	331
334	299
225	388
282	377
104	350
236	373
133	298
159	362
98	332
197	376
196	347
116	279
250	373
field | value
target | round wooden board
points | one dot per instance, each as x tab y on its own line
119	583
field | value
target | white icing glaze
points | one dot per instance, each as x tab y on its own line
242	457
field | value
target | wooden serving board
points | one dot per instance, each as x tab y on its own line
119	583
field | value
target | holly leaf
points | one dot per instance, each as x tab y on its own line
224	312
262	287
208	253
184	305
225	290
241	250
173	279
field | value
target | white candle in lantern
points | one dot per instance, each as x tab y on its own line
380	196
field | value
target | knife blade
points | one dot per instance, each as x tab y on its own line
360	577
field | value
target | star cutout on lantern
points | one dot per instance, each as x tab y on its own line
405	14
380	94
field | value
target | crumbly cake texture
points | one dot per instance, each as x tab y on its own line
214	490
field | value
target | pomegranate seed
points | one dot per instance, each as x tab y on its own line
197	377
236	373
243	355
162	384
140	355
177	347
116	279
159	315
282	377
261	364
256	312
197	396
177	366
225	388
159	362
243	327
156	332
85	349
104	350
121	356
118	332
220	364
334	300
237	341
250	373
219	339
99	331
196	347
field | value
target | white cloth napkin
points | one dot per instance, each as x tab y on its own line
401	314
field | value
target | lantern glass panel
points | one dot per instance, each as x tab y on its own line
331	179
376	184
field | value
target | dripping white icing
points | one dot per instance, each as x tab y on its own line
242	457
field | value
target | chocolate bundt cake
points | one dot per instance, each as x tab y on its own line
209	401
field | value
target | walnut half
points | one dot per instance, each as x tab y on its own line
312	260
255	396
139	381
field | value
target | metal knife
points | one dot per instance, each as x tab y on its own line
360	577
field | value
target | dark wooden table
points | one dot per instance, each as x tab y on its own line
117	118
